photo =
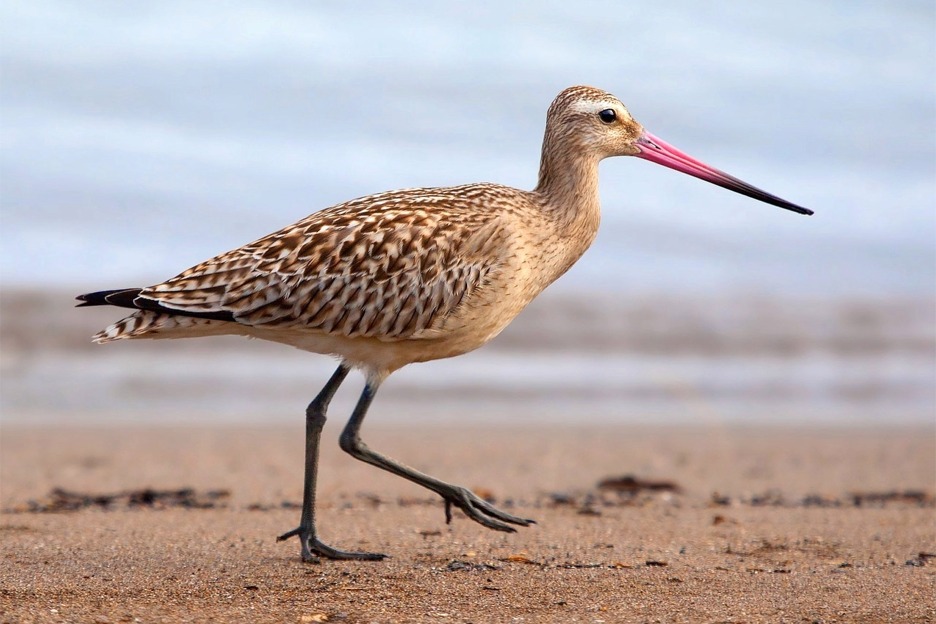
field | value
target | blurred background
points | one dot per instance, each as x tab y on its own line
141	138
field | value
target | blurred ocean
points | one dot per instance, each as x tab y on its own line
140	138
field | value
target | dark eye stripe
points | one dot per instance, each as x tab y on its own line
607	115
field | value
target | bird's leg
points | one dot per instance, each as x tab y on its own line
312	547
474	507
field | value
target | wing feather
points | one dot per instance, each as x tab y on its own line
389	267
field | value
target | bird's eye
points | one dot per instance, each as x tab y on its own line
607	115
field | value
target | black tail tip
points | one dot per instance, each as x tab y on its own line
88	300
122	297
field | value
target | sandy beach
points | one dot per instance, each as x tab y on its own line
717	524
762	461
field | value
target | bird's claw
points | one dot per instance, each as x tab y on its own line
480	510
313	549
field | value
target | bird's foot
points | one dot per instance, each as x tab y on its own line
313	549
480	510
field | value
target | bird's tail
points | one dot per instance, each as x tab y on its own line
132	326
153	319
122	298
149	324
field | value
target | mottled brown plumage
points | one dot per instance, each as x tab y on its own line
402	276
408	276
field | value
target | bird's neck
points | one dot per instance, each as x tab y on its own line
568	184
568	197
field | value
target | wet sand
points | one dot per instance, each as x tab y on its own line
767	524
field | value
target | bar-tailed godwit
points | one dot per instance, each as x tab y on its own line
409	276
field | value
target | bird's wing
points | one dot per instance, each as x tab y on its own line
390	269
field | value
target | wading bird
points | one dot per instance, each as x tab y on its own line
409	276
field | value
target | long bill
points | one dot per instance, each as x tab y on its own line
658	151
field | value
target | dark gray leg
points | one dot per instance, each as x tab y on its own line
475	508
312	548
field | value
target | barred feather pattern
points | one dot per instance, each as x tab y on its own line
158	325
392	266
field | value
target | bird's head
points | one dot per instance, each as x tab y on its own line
594	122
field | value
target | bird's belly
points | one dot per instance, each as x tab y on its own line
374	354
